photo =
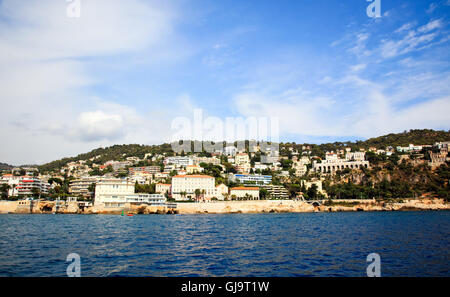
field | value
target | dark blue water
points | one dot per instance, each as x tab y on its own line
307	244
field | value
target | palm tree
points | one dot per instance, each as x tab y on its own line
197	194
13	188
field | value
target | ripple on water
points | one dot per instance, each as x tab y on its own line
316	244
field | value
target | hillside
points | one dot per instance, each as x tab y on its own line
120	152
418	137
4	166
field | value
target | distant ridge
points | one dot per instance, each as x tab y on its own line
120	152
4	166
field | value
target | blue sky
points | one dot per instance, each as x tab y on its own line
123	70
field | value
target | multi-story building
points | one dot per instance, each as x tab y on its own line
252	179
251	193
184	187
149	169
118	192
230	150
332	163
80	187
270	157
29	186
318	184
221	192
163	188
190	169
276	192
207	160
12	181
179	161
241	158
411	148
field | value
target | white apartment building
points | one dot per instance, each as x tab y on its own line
207	160
190	169
28	185
163	188
241	158
230	151
221	191
12	181
251	193
179	161
251	179
184	186
116	192
332	163
80	187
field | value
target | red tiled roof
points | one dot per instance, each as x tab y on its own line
193	176
246	188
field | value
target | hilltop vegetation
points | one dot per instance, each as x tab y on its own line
4	166
121	152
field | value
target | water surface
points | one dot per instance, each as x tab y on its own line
305	244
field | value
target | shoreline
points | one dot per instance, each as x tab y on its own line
230	207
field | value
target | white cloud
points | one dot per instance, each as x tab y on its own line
358	67
97	125
432	7
413	40
45	74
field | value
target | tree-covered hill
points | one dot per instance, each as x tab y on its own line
120	152
115	152
4	166
418	137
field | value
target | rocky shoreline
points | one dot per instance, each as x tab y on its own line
223	207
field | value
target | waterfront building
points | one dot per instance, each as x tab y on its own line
318	183
253	179
163	188
28	186
184	186
221	192
12	181
251	193
118	192
80	187
276	191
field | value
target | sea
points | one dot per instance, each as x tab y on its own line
208	245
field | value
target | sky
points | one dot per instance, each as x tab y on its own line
123	70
